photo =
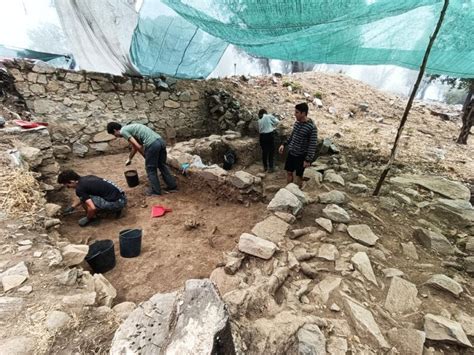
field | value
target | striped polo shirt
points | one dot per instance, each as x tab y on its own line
303	140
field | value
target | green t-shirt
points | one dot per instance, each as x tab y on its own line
144	135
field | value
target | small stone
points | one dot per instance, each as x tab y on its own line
57	320
311	340
336	214
256	246
74	254
272	228
26	289
328	252
52	209
337	346
325	223
124	309
25	242
407	341
11	281
409	250
285	201
392	272
287	217
332	197
433	241
18	345
335	308
68	277
363	234
362	263
365	323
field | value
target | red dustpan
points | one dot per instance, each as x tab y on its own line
158	211
28	124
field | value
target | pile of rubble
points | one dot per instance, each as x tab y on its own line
329	270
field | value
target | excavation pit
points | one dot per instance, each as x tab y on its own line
208	216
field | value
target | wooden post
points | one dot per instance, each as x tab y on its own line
410	100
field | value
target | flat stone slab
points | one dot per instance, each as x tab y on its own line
444	329
325	223
445	283
433	241
328	252
407	341
256	246
438	184
11	281
365	323
362	263
272	228
311	340
401	296
362	234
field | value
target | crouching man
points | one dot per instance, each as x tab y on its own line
95	194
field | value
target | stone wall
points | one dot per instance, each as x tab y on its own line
78	105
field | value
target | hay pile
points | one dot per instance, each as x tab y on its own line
20	193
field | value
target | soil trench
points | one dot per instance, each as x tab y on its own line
184	244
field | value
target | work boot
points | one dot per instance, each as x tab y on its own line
84	221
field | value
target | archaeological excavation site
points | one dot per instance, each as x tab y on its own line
148	207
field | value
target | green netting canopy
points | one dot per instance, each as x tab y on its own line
342	31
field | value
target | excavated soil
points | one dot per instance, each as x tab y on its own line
171	252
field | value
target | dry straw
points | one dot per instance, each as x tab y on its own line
20	193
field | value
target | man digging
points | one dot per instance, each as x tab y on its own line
152	147
95	194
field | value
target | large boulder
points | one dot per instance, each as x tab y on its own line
191	321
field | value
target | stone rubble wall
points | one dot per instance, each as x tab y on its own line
234	183
35	148
78	105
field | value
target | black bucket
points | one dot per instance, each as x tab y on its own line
101	256
132	178
130	242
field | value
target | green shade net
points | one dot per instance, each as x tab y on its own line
57	60
165	43
331	31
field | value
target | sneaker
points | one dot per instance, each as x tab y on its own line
150	192
169	190
84	221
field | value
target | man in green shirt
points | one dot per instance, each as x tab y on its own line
152	147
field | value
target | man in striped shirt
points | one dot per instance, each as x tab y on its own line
301	145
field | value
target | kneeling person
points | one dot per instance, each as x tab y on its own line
95	194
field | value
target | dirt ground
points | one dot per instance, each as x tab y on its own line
170	253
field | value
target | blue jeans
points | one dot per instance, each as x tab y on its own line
155	158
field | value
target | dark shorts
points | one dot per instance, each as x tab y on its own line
295	163
102	204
